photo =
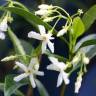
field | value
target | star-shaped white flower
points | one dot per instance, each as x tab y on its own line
31	71
44	37
3	28
60	67
78	83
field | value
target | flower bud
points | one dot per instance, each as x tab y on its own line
80	11
62	31
86	60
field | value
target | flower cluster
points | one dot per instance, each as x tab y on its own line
30	63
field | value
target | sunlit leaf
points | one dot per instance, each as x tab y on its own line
77	27
89	17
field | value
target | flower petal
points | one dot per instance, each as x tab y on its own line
53	60
65	77
22	66
61	65
60	80
40	73
52	67
2	35
44	45
20	77
3	25
51	46
34	35
42	29
32	81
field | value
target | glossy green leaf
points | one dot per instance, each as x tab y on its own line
86	41
10	86
17	45
42	90
77	27
89	17
90	51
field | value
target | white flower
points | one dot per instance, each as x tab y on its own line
48	19
3	28
78	83
44	37
60	67
29	71
80	11
62	31
44	10
45	7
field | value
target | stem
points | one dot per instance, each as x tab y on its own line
54	25
63	90
30	91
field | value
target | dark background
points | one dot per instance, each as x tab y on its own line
50	79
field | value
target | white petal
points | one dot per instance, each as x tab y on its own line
20	77
61	32
65	77
39	73
34	35
42	29
32	81
52	67
44	46
61	65
43	6
3	25
41	12
51	46
53	60
60	80
22	66
2	35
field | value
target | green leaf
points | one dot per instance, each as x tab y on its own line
86	41
11	86
36	51
29	16
90	51
77	28
61	58
28	48
89	17
17	92
41	89
17	45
